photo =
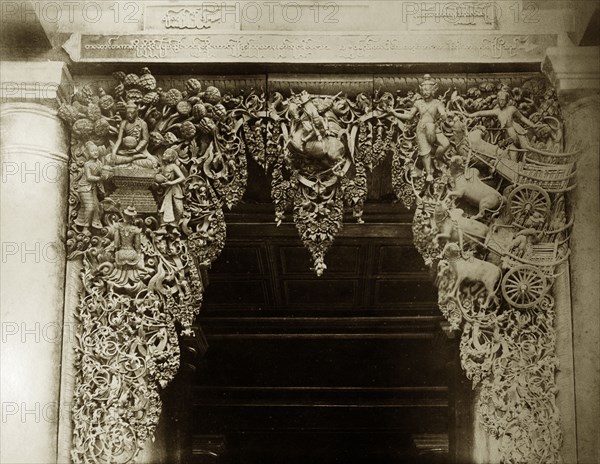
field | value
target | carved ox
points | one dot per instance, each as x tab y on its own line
475	141
474	270
453	226
468	185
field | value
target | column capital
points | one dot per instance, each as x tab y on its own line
45	82
574	71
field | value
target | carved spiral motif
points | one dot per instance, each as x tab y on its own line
141	271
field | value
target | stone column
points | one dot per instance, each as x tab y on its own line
34	203
575	72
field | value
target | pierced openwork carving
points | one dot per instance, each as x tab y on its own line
151	171
483	164
491	217
318	149
485	169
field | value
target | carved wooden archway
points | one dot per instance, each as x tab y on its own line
482	163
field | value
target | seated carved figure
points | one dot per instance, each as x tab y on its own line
129	263
132	141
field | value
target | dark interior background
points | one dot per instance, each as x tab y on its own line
351	367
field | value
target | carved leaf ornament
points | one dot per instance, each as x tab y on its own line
152	171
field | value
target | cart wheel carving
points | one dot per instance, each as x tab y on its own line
524	286
526	200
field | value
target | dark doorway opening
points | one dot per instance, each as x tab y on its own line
351	367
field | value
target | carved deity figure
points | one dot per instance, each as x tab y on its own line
132	141
171	176
315	123
507	116
314	130
88	188
128	256
429	134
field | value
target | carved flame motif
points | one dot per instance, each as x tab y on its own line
494	223
151	171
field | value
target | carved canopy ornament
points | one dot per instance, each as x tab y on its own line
151	171
318	149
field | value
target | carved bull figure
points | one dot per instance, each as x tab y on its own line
468	185
474	140
474	270
452	225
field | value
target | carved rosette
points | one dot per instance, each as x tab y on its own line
151	171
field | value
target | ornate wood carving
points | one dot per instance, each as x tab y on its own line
483	164
481	161
492	220
151	171
318	149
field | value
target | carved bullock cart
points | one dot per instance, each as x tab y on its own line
534	174
531	270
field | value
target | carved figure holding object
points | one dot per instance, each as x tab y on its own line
88	188
171	176
132	141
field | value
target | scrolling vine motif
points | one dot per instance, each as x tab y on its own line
151	171
491	217
486	172
318	149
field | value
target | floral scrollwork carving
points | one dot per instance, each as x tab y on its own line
491	217
151	172
318	150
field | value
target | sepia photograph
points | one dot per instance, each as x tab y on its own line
300	232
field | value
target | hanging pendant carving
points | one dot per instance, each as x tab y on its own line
318	149
151	171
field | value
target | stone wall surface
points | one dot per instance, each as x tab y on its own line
583	121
